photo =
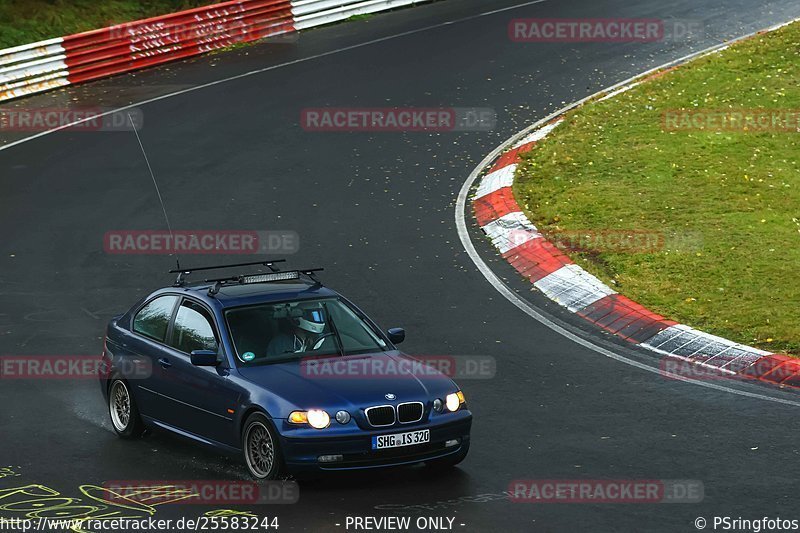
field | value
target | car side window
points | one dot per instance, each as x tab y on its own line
193	329
152	320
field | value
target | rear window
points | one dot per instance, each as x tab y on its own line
153	319
193	329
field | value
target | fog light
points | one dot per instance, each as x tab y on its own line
343	417
329	458
437	405
450	443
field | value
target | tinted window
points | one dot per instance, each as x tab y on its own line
152	320
277	332
193	329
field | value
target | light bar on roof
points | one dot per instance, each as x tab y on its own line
276	276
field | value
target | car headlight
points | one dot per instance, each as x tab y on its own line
454	401
316	418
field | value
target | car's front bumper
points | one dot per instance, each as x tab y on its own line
302	453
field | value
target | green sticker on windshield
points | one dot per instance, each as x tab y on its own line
248	356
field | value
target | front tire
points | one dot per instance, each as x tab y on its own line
261	449
123	411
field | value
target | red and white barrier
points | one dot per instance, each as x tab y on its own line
54	63
310	13
554	274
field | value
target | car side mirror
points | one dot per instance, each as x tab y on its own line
396	335
204	358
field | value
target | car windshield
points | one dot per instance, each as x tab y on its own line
279	332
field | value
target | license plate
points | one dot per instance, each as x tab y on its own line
401	439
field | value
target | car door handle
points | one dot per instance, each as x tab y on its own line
164	362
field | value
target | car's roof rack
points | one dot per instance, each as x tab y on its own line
183	272
275	275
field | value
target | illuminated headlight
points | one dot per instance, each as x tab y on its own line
454	401
318	419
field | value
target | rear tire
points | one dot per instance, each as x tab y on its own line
122	408
450	460
261	449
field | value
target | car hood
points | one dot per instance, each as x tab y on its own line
344	382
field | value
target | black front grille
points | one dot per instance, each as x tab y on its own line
380	416
409	412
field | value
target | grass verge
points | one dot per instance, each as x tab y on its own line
722	204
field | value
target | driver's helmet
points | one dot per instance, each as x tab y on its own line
310	317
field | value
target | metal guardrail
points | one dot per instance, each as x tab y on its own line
45	65
310	13
32	68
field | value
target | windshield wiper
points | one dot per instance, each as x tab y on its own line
337	338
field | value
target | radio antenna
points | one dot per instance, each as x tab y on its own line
155	184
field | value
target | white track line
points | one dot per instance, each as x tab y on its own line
525	307
273	67
463	234
462	196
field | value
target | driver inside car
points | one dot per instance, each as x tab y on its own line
305	331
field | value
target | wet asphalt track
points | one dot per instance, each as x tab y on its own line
376	210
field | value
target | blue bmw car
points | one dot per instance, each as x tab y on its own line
282	371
